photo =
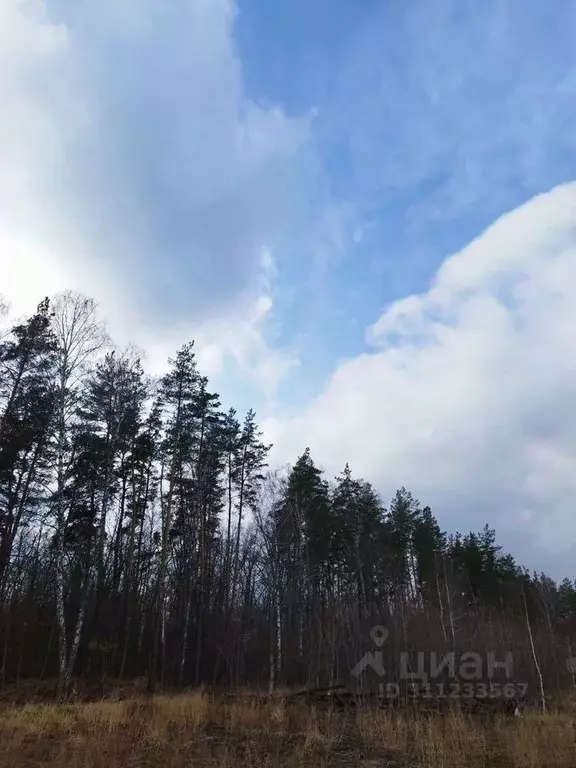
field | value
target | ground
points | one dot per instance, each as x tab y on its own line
205	730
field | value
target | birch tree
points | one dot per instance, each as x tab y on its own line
80	337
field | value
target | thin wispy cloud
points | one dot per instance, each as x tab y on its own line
460	98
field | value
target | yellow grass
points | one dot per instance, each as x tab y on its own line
197	729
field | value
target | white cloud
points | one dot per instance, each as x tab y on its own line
468	396
238	339
33	53
134	169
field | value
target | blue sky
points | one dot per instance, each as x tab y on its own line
285	182
432	120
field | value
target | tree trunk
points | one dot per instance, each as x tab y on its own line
534	656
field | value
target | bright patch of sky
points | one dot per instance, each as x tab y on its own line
286	183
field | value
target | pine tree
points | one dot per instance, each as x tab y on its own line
402	516
143	513
357	516
428	543
27	360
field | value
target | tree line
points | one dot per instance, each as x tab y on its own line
143	535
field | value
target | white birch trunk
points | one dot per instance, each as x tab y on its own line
534	655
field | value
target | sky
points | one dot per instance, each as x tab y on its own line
364	214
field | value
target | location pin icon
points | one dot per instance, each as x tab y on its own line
378	635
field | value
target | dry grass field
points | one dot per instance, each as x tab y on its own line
198	729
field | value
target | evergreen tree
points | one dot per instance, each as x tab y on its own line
428	543
143	514
27	359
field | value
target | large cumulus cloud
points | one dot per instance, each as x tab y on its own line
467	392
135	168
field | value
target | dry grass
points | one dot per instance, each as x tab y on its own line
199	730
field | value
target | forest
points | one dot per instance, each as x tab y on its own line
143	535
